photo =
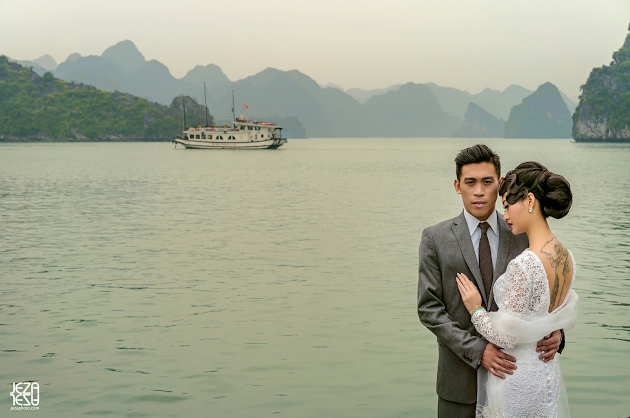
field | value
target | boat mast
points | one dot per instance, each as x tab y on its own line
233	114
205	98
184	107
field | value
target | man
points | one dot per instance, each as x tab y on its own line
479	244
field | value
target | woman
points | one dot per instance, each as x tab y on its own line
534	297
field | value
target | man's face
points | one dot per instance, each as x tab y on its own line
479	188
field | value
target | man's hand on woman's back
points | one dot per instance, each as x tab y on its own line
497	362
549	345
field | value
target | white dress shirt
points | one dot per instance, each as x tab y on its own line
493	234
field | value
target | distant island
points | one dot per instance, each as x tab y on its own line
603	114
479	123
402	110
543	114
42	108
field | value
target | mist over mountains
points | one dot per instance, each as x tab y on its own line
408	110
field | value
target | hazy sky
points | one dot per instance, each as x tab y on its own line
368	44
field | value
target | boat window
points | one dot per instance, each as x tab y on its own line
198	136
209	136
219	137
203	135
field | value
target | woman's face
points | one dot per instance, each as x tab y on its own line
516	215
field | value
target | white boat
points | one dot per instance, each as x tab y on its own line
244	134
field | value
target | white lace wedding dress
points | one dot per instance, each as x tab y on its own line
535	389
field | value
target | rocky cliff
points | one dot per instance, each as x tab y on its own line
543	114
603	113
479	123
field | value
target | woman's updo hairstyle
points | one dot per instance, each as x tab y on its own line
552	191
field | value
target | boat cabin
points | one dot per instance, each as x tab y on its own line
243	129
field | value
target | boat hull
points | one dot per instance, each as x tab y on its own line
271	143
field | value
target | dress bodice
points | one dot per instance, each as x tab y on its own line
523	290
526	279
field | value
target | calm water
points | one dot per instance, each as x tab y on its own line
142	280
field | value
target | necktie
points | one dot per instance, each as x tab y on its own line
485	259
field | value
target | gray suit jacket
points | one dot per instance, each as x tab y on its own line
446	249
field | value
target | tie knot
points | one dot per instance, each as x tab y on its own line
484	227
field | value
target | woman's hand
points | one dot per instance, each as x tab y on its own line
469	292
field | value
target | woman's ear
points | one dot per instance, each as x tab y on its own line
531	199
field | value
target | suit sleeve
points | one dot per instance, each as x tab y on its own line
432	311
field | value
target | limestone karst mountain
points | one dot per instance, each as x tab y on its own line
363	96
409	110
604	110
498	103
122	67
412	110
455	102
210	74
40	65
125	55
333	85
543	114
478	123
73	57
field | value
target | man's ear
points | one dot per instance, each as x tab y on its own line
501	181
456	184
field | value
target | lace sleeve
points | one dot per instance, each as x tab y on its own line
516	294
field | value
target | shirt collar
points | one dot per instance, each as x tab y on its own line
473	222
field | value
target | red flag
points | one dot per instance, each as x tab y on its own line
246	107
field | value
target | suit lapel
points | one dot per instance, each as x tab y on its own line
505	238
460	229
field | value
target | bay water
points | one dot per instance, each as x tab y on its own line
142	280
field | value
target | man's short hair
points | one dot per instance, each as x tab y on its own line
479	153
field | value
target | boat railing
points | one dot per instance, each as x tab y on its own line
211	129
